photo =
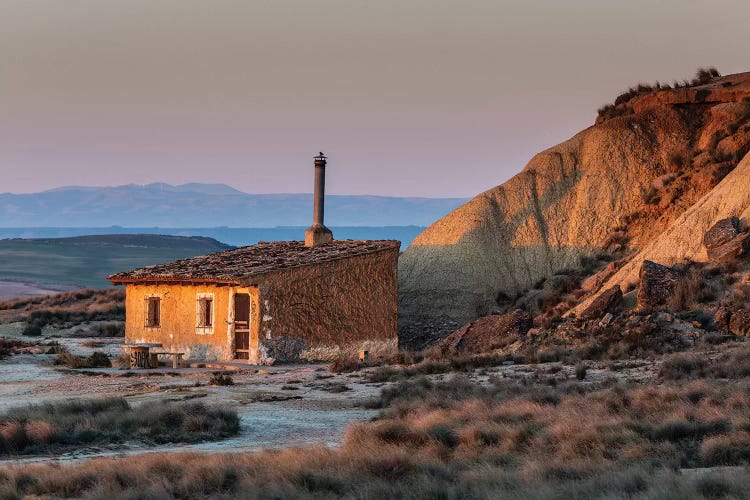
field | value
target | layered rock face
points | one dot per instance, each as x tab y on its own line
683	239
625	179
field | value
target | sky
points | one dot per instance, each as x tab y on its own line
430	98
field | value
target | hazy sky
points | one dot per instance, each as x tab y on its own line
427	98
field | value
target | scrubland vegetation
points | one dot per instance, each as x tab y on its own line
733	362
546	436
451	427
65	309
620	108
97	359
60	427
566	429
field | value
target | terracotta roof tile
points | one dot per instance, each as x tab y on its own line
236	265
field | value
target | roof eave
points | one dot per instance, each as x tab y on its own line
172	281
250	277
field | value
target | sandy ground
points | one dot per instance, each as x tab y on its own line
17	289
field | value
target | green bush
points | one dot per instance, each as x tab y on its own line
218	378
705	75
96	360
581	371
32	330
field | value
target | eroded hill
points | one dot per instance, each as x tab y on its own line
605	193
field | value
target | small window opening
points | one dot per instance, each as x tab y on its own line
205	310
153	312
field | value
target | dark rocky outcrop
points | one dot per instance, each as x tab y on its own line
487	333
722	232
604	303
657	284
724	242
731	251
722	318
739	322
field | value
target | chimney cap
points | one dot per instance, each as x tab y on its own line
321	156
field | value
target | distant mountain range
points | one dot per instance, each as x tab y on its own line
237	236
208	205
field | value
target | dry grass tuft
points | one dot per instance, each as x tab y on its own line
348	362
431	366
732	362
10	346
52	428
66	309
460	439
97	359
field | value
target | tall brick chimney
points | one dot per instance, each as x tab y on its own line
318	233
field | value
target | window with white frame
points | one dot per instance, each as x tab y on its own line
204	313
153	311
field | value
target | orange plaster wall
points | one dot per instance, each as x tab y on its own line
177	331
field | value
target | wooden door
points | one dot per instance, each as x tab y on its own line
242	326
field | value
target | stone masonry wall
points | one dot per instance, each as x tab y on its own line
315	312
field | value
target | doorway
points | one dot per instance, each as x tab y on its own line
242	326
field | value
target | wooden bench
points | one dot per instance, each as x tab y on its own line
140	355
176	357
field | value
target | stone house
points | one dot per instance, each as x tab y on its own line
273	301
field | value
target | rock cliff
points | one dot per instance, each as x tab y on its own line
624	180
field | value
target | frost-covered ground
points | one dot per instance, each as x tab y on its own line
279	406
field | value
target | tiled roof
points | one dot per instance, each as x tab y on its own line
234	266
